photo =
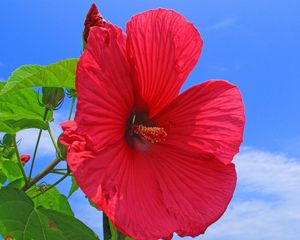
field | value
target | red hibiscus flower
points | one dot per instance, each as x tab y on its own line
24	158
154	161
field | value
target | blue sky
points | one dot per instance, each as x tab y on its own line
254	44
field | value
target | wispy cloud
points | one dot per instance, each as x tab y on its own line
266	204
225	23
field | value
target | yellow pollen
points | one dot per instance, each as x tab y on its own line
151	134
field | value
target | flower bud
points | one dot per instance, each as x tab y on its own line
93	18
71	93
24	158
8	140
52	97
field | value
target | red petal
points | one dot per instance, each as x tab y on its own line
207	118
163	49
196	189
105	91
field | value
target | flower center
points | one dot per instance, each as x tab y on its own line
141	131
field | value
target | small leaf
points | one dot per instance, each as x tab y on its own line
74	187
12	171
59	74
51	199
21	220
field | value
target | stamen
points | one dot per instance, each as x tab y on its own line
151	134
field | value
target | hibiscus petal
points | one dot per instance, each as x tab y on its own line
105	90
207	118
196	188
163	48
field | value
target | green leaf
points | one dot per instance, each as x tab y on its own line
74	187
59	74
20	110
21	220
52	199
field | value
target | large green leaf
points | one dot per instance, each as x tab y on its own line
21	220
59	74
20	110
51	199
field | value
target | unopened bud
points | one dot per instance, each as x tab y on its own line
8	140
52	97
93	18
71	93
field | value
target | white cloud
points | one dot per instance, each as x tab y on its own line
225	23
266	204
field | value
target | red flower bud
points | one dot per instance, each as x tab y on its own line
24	158
93	18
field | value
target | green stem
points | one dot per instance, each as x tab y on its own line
37	144
42	173
19	160
60	169
52	186
72	106
54	141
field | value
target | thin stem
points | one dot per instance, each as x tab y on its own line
60	169
57	172
37	144
72	106
53	141
52	186
19	160
42	173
